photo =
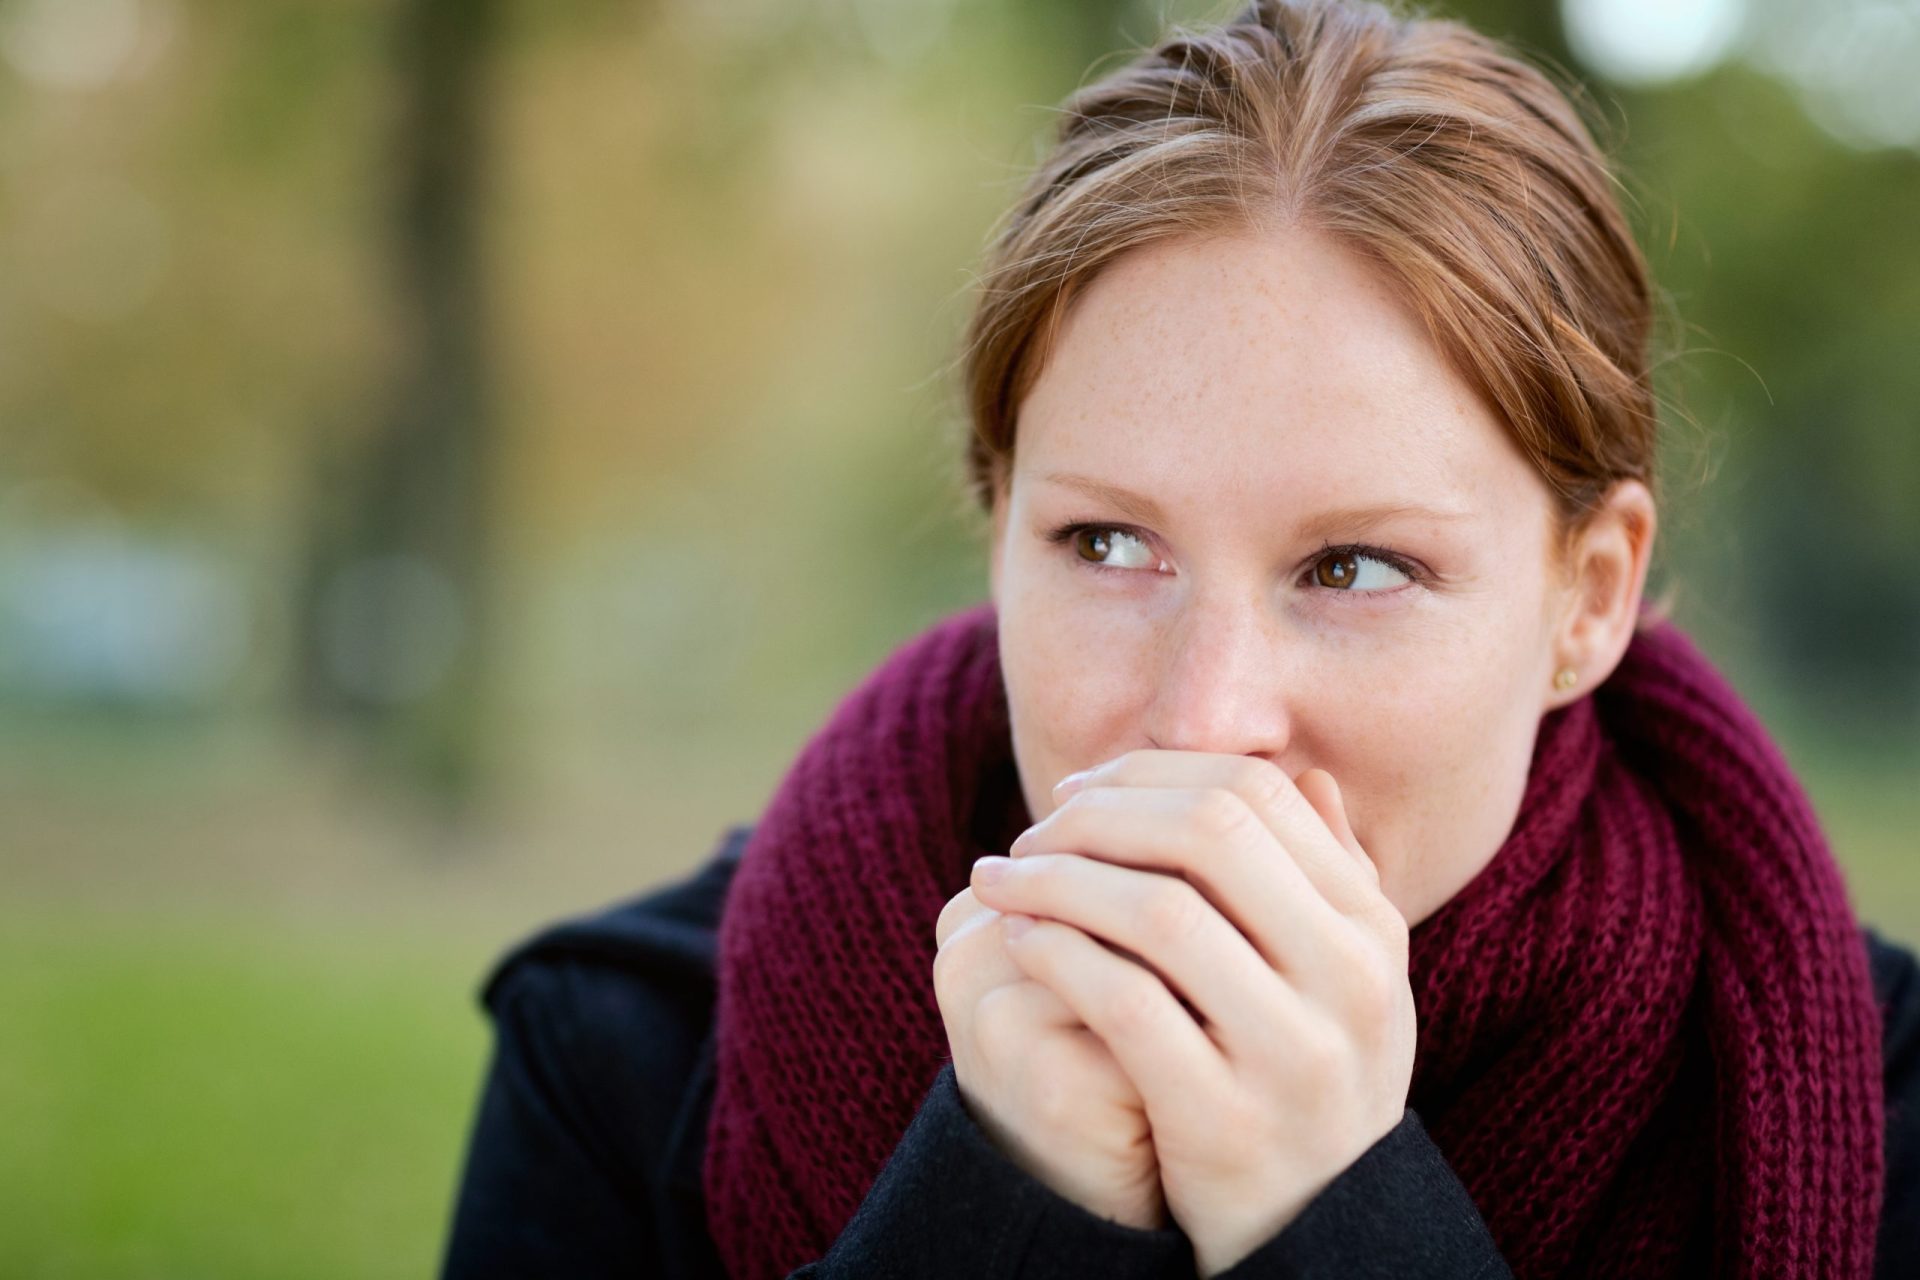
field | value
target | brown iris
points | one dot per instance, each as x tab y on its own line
1342	570
1094	545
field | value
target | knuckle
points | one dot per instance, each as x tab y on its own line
953	959
1048	879
1238	1114
1379	927
1395	933
1039	873
1344	946
1132	1007
1171	912
1263	783
1372	984
1221	814
957	909
1319	1057
1375	992
1050	1103
944	961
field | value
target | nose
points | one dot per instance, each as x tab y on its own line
1223	680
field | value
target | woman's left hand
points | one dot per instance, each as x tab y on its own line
1256	988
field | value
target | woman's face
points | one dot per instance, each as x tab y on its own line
1302	536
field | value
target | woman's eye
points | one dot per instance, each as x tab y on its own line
1349	570
1357	571
1095	543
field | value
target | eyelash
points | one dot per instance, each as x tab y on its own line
1063	536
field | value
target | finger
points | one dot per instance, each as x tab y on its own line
1274	797
970	963
1163	1051
1165	925
960	909
1012	1020
1022	1007
1009	1023
1382	918
1323	793
1213	840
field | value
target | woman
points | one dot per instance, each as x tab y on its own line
1406	899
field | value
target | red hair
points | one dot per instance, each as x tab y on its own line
1425	146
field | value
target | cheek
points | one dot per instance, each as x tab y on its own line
1051	669
1435	757
1070	679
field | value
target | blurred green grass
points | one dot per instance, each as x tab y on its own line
217	1096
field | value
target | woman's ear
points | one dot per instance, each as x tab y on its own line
1605	577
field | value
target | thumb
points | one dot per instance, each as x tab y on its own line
1323	793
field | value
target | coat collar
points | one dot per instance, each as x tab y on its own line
687	1140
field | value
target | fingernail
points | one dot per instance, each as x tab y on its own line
1071	783
990	869
1018	925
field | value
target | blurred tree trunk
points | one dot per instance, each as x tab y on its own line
393	607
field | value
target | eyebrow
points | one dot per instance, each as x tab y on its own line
1138	506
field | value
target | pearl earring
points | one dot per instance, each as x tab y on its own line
1565	678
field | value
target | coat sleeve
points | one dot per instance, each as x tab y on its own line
555	1178
578	1109
950	1203
583	1092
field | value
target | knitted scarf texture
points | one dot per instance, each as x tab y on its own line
1648	1039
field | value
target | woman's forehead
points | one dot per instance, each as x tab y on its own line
1203	346
1282	367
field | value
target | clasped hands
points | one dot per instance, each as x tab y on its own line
1183	994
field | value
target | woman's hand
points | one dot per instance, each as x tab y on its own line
1043	1087
1260	1003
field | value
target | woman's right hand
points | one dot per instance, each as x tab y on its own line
1043	1087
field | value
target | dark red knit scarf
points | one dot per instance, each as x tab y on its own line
1648	1038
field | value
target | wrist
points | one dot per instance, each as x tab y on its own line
1219	1246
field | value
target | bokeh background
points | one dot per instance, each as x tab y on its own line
454	452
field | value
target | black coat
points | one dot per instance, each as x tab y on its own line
584	1160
